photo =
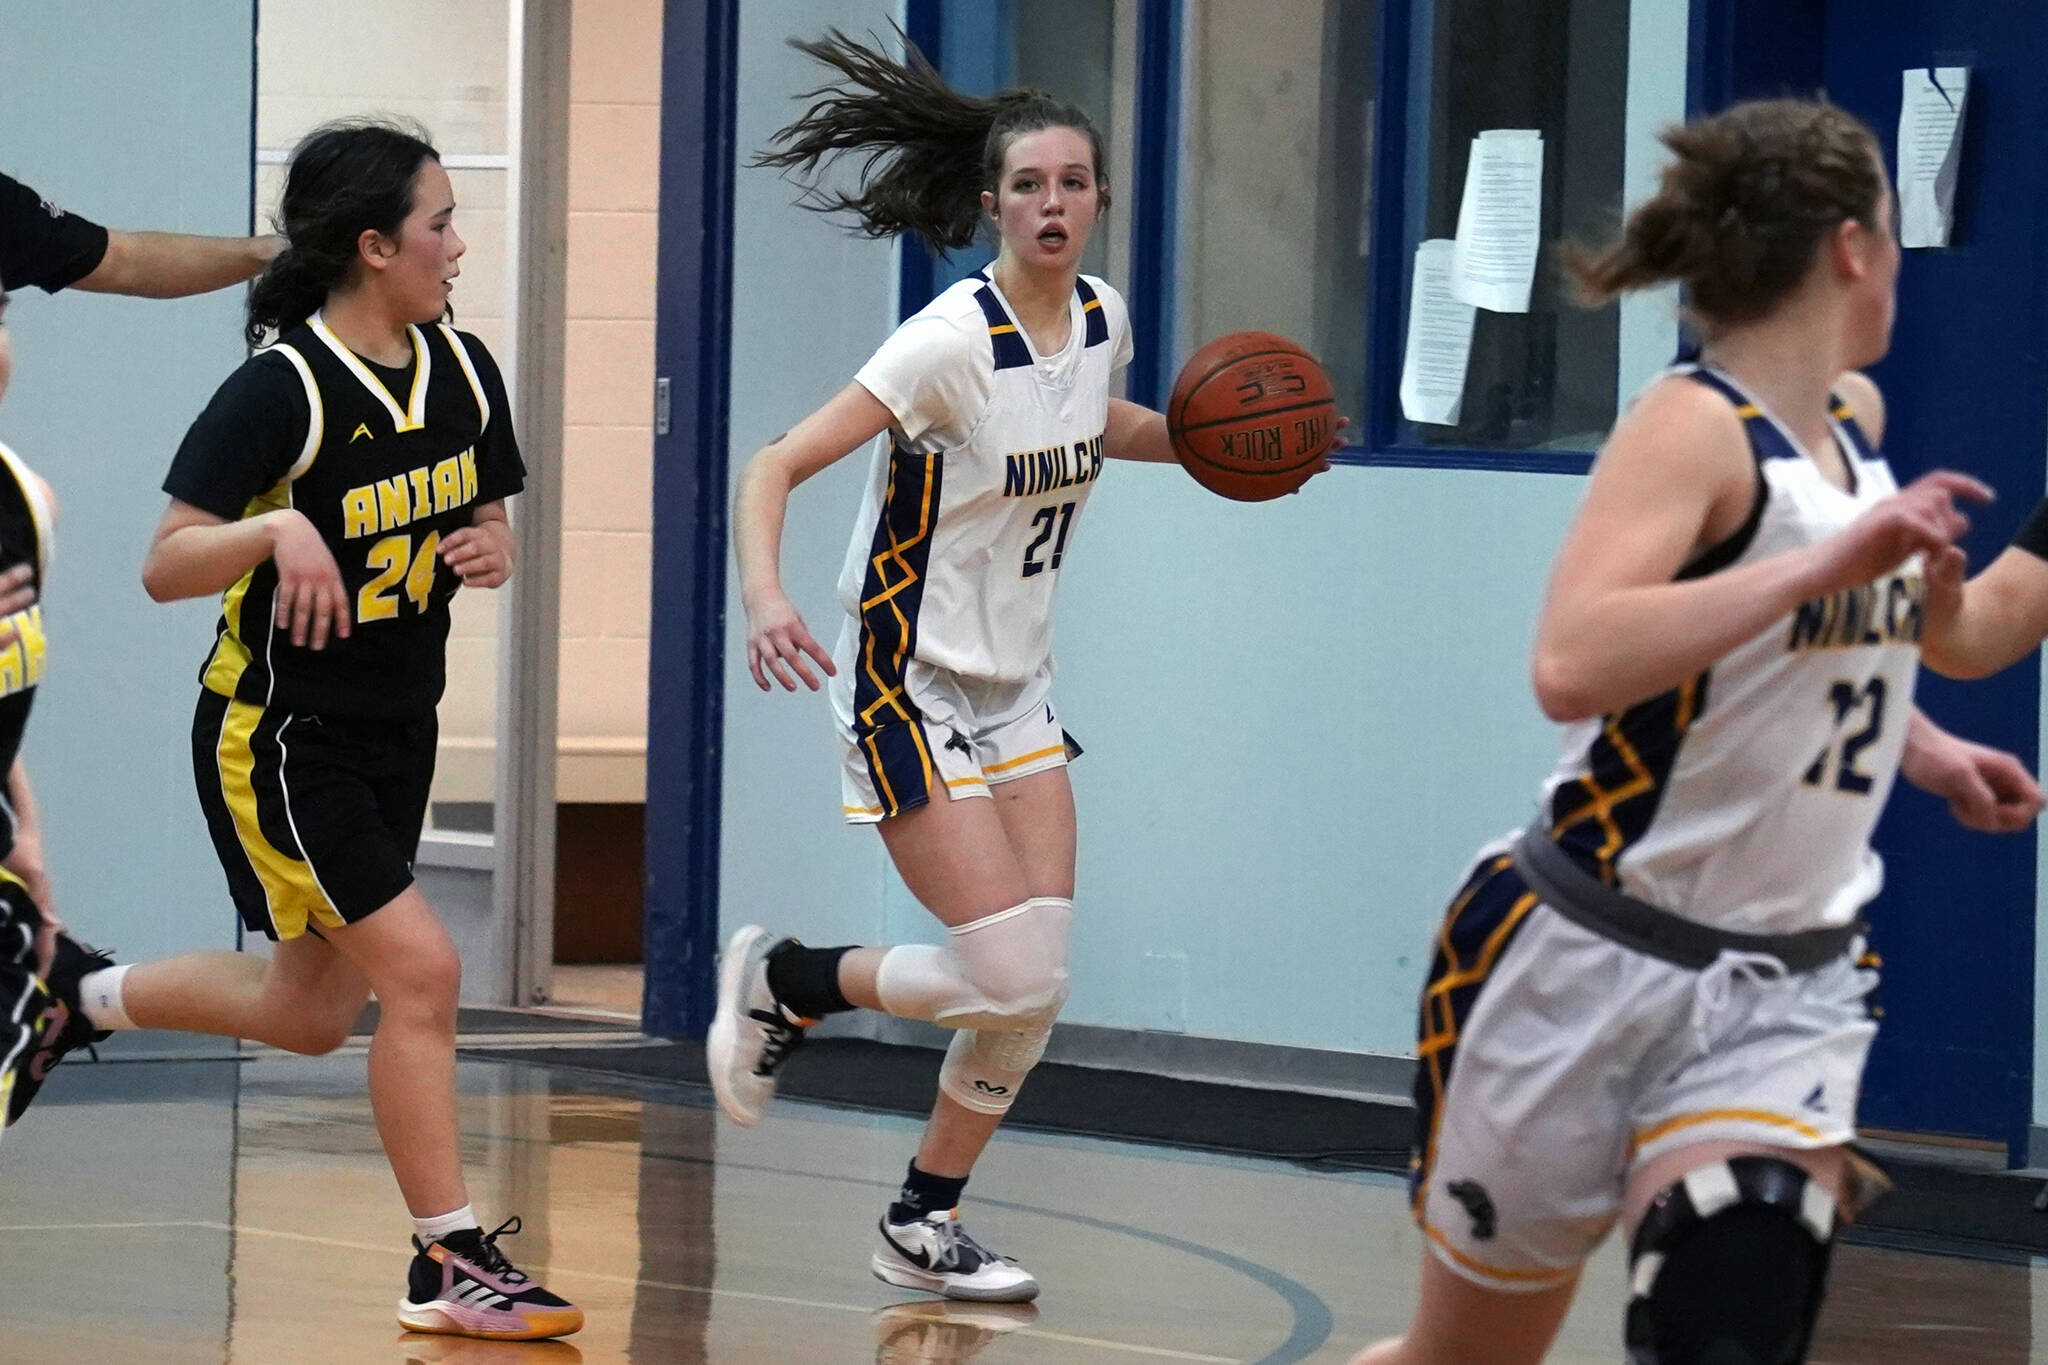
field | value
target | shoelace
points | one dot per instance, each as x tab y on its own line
954	1240
492	1260
784	1038
1714	995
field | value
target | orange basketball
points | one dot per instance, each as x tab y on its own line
1251	416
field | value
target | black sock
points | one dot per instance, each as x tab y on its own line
805	981
924	1193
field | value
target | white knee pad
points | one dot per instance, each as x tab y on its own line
1003	972
984	1069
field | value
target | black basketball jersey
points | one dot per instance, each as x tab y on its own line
24	538
385	463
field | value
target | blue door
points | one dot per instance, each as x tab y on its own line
1967	387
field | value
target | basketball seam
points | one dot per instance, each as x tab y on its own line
1269	412
1248	355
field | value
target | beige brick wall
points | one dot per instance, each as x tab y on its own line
445	64
608	400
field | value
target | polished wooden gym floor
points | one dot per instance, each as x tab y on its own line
239	1213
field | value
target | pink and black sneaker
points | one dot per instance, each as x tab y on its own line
462	1285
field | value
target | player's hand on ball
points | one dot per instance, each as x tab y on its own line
777	641
478	555
1336	441
311	600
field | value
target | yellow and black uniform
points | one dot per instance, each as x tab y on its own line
313	765
24	538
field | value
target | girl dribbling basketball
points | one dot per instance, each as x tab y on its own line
995	411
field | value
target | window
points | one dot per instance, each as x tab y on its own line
1275	152
1544	378
1596	78
1276	166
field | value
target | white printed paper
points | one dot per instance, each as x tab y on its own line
1930	146
1439	339
1500	221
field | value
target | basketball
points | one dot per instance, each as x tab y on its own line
1251	416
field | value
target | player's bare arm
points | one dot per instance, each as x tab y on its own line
196	554
1675	478
778	641
1999	617
1987	789
172	265
1135	432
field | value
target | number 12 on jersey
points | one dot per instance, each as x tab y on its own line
1849	701
393	558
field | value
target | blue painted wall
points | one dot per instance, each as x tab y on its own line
136	113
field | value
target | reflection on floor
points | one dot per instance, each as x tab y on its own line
240	1212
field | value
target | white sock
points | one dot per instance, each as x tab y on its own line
99	995
432	1230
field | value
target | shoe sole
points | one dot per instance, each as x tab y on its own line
890	1271
723	1036
445	1319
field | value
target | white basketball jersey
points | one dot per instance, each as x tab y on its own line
1746	797
975	496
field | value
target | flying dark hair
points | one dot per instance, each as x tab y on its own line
930	150
1749	195
345	178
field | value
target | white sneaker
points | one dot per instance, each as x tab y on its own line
927	1333
750	1034
936	1254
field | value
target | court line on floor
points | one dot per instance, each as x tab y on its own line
1313	1323
570	1272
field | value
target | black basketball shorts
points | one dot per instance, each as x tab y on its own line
316	819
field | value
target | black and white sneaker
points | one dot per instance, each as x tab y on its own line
63	1027
751	1035
462	1285
934	1253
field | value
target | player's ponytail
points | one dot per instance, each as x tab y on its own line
1747	198
930	150
345	178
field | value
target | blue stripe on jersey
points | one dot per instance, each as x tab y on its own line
1766	440
1858	437
1483	919
1091	312
887	724
1596	816
1002	333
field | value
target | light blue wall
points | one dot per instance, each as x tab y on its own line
810	304
1302	719
136	113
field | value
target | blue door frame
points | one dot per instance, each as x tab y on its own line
686	664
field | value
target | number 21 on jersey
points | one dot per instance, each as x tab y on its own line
1048	519
398	568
